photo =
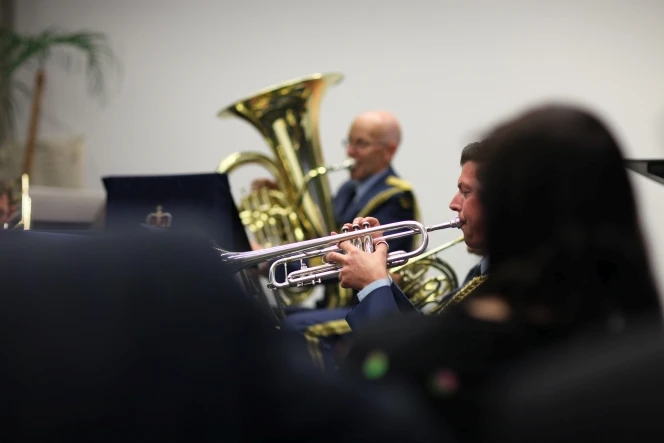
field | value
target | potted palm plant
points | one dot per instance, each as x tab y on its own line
33	52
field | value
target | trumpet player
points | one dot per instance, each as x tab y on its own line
367	272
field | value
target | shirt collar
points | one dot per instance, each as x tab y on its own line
484	265
361	188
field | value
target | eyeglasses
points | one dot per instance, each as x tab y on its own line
359	144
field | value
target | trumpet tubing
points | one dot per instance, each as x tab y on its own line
283	255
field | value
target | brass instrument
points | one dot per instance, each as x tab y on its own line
287	116
305	250
422	289
21	218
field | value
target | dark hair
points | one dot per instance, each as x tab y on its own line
561	222
473	152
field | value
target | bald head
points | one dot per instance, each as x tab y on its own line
373	140
384	125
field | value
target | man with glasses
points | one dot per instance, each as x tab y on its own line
374	189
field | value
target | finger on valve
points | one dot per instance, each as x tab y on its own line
347	247
334	258
325	258
373	221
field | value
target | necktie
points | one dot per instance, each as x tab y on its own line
351	196
345	214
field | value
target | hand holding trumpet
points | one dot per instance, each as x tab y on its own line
361	238
359	266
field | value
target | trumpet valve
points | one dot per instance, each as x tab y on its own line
368	240
357	241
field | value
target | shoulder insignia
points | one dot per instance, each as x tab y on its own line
397	186
399	183
460	295
378	201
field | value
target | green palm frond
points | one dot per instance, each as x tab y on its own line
17	51
34	51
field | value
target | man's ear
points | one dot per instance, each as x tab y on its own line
391	149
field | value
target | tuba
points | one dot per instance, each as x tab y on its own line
300	207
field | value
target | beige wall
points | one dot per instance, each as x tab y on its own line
449	70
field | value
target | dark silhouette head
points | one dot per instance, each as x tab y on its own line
143	336
561	220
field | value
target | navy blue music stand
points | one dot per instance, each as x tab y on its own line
200	204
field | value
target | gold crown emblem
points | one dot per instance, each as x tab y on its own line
159	218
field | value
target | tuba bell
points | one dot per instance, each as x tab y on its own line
300	208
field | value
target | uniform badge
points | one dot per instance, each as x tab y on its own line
159	218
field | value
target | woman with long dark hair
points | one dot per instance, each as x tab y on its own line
563	235
566	256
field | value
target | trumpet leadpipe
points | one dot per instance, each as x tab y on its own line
455	223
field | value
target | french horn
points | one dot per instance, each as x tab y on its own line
427	278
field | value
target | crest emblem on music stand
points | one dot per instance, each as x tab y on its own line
159	218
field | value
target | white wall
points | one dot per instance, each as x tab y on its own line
448	69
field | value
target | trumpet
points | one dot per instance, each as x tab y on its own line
361	237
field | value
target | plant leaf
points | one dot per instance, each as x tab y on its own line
34	51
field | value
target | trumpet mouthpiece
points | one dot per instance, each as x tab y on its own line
454	223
